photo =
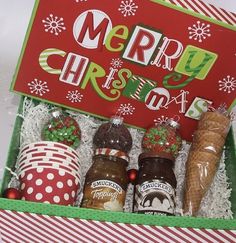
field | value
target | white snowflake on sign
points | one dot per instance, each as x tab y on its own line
54	25
199	31
227	84
74	96
128	8
126	109
161	120
38	87
116	62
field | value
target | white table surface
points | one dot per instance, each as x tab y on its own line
14	18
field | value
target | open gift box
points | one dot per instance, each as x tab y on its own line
66	69
107	226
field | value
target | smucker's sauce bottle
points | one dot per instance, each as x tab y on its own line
156	184
106	181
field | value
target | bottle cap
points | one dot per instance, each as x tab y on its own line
173	123
56	112
117	120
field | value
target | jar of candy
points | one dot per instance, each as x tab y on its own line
163	138
63	129
114	135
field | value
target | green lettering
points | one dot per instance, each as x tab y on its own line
197	69
123	74
94	72
176	77
119	31
199	106
196	62
138	88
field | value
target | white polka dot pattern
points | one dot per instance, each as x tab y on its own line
49	186
22	187
66	196
56	199
59	184
69	183
48	189
39	196
50	176
62	172
29	177
39	170
30	190
39	182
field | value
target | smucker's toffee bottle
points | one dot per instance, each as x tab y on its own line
106	181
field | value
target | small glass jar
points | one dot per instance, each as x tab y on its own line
106	181
156	185
62	128
114	135
163	138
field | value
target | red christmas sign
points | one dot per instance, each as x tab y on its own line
144	60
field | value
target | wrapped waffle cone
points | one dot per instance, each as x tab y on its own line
192	200
203	158
208	136
209	147
216	117
200	172
214	126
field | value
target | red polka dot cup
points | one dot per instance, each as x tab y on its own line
49	172
49	185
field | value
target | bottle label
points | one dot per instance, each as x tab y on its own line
104	194
154	197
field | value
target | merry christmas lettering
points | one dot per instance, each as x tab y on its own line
93	30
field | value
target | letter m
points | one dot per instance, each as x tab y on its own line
93	31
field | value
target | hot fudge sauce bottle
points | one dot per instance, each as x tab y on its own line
156	182
106	181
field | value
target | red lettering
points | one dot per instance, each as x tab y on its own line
93	33
77	72
139	48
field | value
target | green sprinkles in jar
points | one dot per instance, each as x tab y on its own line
63	129
162	138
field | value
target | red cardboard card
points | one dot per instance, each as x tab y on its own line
147	61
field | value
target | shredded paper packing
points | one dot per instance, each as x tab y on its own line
216	203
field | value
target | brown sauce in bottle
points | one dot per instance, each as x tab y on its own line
106	183
156	184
